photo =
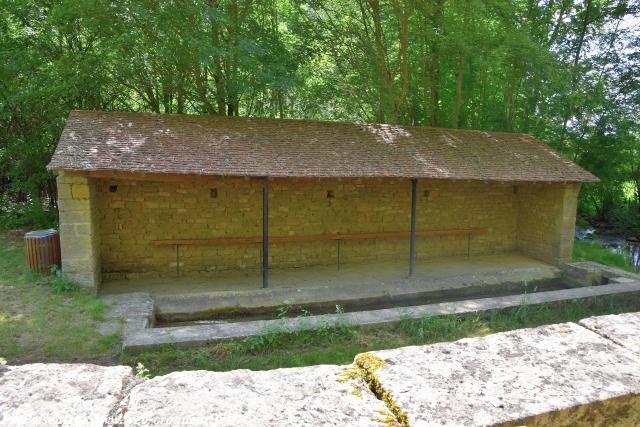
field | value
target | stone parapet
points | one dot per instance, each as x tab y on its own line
554	375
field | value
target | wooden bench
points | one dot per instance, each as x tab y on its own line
318	237
225	241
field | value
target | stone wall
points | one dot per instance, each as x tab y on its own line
79	238
133	213
107	225
546	221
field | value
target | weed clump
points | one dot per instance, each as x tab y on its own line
287	330
60	282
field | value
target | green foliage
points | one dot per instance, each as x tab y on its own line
591	251
282	331
626	219
19	215
582	222
59	282
565	71
438	328
142	372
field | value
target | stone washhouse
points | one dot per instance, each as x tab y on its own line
146	196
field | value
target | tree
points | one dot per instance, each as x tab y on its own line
563	70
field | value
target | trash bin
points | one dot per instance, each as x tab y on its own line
42	250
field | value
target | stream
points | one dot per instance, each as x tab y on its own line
615	243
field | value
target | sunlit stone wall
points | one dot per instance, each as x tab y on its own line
113	229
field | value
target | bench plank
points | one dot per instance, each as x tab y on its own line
319	237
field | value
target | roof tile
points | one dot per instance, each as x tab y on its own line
235	146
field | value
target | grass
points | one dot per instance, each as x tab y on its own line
591	251
340	345
47	318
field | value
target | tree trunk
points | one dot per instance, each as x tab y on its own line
384	74
434	69
461	63
403	13
218	68
586	20
458	98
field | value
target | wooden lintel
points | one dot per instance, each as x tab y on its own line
170	177
155	177
175	177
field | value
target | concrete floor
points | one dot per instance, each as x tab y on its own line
193	298
431	275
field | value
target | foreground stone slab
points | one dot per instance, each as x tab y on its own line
557	375
623	329
551	375
61	395
315	396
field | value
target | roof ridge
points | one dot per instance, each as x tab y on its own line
294	119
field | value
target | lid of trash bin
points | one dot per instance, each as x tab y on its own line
41	233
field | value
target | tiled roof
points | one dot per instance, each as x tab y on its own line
233	146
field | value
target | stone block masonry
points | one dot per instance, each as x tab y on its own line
141	211
546	221
107	225
79	236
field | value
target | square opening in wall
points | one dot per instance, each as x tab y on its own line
113	188
330	194
213	192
